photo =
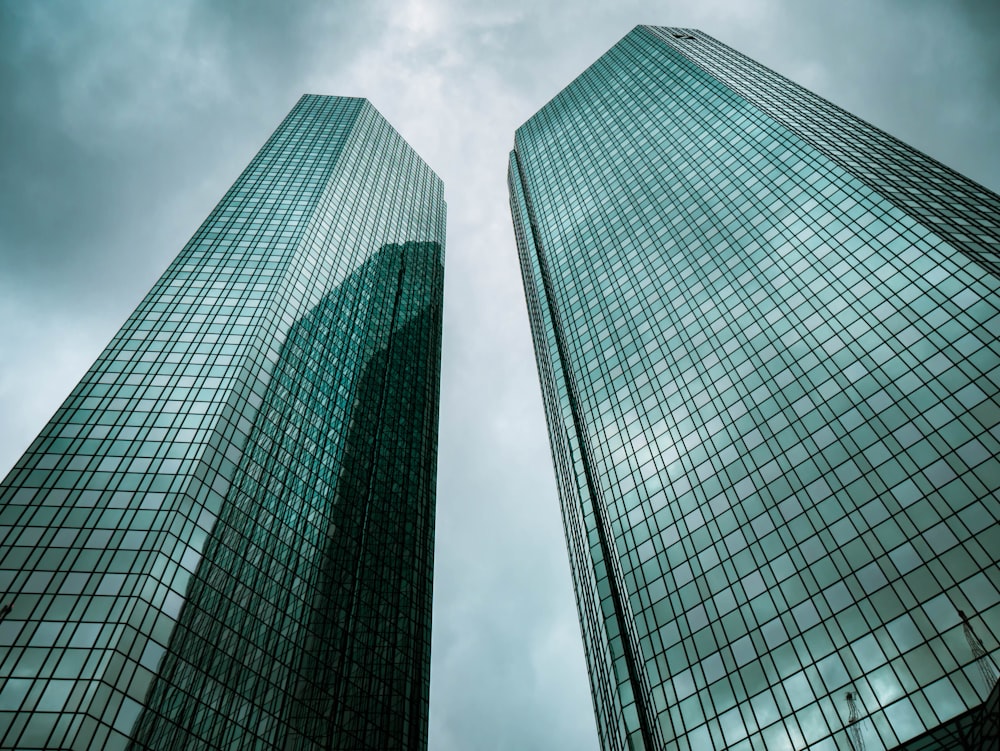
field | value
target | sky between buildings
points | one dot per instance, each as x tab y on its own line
123	123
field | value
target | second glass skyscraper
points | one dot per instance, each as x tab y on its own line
224	537
766	334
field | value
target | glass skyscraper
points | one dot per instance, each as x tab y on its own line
223	539
767	339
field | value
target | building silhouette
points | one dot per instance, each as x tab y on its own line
767	340
224	537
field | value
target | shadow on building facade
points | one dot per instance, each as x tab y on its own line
308	622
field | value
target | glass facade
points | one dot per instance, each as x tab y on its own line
224	537
767	339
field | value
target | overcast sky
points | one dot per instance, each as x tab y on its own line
124	122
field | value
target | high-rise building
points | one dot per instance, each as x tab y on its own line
767	338
223	539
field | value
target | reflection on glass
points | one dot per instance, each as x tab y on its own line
766	339
308	622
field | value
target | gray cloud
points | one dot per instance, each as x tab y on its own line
124	123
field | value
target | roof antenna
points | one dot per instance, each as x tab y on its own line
987	671
854	722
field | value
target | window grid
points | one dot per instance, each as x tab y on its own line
789	375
